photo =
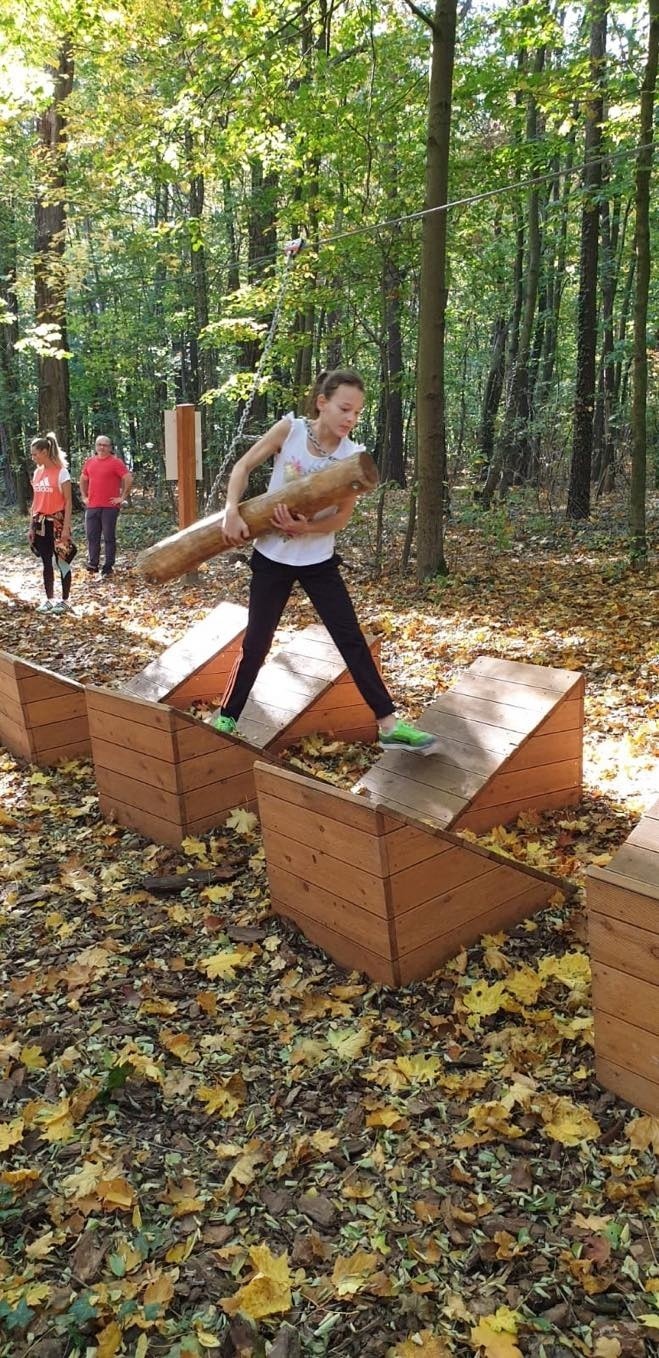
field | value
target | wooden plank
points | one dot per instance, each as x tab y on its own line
9	688
636	865
434	878
332	722
211	802
336	838
58	754
424	960
646	834
515	786
222	627
130	792
197	738
60	734
640	1092
540	750
477	736
8	664
117	704
625	1044
343	951
15	738
13	711
352	884
485	817
133	735
627	947
46	710
145	768
45	685
448	910
396	792
534	698
406	846
330	910
491	713
156	829
519	672
566	716
315	796
626	997
216	820
633	902
427	772
223	763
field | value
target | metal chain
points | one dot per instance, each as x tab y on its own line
291	250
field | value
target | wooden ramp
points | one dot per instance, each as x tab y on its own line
43	717
623	926
196	668
167	775
511	740
379	892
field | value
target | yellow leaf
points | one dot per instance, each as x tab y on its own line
423	1344
179	914
116	1193
643	1133
159	1292
33	1058
42	1246
496	1334
422	1069
652	1322
308	1052
142	1346
268	1292
323	1141
206	1339
82	1181
348	1043
524	984
179	1045
178	1253
57	1122
242	821
11	1133
569	1123
225	1098
224	963
195	848
386	1117
108	1341
573	969
350	1275
215	894
607	1348
484	999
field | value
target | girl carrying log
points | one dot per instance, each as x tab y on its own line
49	534
302	549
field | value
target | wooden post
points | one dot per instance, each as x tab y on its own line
186	463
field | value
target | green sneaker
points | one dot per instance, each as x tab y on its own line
225	725
404	737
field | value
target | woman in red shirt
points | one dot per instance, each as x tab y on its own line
50	527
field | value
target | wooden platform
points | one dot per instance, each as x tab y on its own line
379	892
43	717
196	668
623	925
511	740
167	775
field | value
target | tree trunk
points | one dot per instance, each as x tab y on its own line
49	264
637	524
431	434
578	499
393	462
12	452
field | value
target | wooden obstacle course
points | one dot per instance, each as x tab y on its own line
379	892
195	668
168	775
623	926
43	716
511	740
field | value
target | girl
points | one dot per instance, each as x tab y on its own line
301	549
50	529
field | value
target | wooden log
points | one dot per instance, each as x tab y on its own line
307	496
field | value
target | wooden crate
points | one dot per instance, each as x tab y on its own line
623	925
511	740
43	716
378	892
196	668
168	775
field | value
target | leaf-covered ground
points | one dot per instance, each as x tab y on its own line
212	1140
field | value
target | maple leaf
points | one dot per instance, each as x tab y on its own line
349	1275
11	1133
33	1058
268	1292
242	821
423	1344
115	1193
496	1334
57	1122
225	1098
422	1069
644	1132
109	1340
160	1290
216	894
567	1122
348	1043
179	1045
195	848
223	964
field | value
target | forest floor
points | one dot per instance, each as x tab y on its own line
213	1140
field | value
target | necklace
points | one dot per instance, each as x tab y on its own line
323	452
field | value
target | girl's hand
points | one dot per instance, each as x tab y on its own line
284	522
234	528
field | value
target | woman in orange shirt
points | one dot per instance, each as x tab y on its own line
50	527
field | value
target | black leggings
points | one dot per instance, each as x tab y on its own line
272	583
44	546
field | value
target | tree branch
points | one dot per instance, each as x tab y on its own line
421	14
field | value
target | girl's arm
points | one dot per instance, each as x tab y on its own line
285	522
235	528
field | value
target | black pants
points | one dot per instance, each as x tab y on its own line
272	583
43	544
102	523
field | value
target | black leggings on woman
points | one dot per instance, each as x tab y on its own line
43	543
272	583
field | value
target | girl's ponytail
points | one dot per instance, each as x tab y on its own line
311	404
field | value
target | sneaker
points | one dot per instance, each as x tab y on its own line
225	725
404	737
105	574
61	607
93	570
46	607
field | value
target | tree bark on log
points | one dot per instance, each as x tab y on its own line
185	550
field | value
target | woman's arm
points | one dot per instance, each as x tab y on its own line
285	522
235	528
68	504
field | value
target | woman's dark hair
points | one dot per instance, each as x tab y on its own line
327	383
